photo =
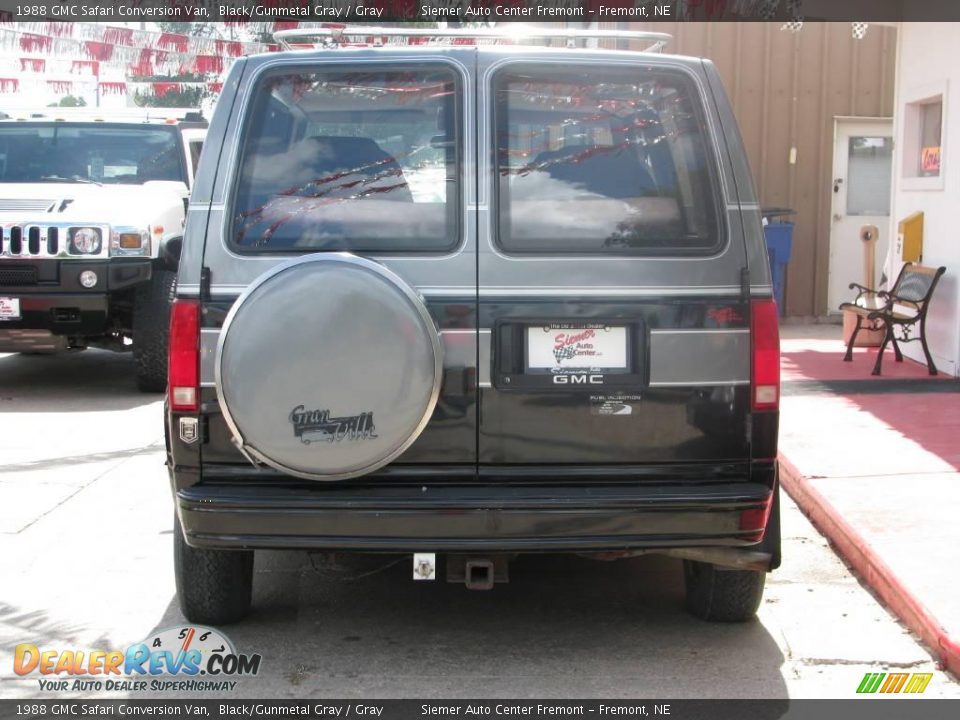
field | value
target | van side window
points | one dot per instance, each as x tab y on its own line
603	161
349	160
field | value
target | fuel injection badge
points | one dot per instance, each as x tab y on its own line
317	426
618	404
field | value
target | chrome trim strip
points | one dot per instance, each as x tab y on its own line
192	289
618	291
700	383
63	241
700	331
484	358
208	355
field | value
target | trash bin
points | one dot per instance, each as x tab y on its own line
778	231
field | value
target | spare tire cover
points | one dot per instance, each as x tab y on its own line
328	367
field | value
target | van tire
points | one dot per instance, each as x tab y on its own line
720	595
214	586
151	329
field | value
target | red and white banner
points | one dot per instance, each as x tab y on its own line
37	65
113	88
60	87
76	57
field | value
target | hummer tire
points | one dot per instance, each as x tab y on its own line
151	330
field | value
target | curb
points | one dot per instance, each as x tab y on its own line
868	564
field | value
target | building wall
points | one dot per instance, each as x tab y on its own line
786	88
927	64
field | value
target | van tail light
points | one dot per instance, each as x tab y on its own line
183	365
765	342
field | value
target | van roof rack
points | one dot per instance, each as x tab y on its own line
336	36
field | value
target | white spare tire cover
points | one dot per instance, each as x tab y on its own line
328	367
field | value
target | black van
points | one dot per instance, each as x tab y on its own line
468	301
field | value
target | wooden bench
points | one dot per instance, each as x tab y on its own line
903	308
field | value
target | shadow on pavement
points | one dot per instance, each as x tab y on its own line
76	380
344	626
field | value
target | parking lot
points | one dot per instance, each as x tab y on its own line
86	562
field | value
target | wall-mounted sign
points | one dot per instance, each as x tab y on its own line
930	159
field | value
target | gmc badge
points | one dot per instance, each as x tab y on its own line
578	379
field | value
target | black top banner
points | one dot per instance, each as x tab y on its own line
372	12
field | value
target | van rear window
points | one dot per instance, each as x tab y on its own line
349	160
603	160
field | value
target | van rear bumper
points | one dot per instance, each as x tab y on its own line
466	518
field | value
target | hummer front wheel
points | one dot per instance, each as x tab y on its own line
151	329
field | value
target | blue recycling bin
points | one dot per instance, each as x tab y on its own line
778	232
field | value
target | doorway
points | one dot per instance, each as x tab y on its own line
862	173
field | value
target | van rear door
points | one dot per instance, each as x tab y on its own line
363	155
614	325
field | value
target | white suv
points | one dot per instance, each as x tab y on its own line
91	220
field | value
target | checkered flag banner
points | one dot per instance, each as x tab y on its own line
564	353
858	30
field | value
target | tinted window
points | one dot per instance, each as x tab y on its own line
603	160
62	152
195	147
355	160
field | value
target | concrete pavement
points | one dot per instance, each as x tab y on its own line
86	562
874	462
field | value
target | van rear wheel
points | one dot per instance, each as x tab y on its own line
214	586
721	595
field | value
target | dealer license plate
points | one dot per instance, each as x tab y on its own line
9	308
563	346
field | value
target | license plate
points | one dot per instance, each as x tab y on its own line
9	308
571	346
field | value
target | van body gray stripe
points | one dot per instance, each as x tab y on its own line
677	357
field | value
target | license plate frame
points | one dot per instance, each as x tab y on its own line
575	347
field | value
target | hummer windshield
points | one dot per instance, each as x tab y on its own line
115	154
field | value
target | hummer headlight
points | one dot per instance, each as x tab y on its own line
85	241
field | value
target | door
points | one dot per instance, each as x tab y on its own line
609	309
862	171
370	157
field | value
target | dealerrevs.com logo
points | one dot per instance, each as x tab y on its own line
187	658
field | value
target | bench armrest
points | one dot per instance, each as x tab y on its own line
883	296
